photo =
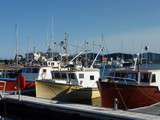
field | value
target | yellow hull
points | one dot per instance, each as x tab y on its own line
67	93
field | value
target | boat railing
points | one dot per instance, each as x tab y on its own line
120	80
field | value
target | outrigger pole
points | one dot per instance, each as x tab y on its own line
96	57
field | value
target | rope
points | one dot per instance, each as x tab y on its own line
120	96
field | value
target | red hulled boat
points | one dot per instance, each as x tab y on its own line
11	82
131	88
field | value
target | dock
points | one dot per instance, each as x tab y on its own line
49	109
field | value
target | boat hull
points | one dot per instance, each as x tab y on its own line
10	87
67	93
129	96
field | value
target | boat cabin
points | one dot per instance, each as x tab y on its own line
8	76
143	77
85	77
30	73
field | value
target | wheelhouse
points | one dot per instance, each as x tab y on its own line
85	77
150	77
30	73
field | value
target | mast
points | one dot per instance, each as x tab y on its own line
17	49
102	40
17	39
66	45
52	35
86	55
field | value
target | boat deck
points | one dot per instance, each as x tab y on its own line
44	107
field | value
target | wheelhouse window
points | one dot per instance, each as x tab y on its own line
72	76
12	75
64	76
92	77
145	77
153	78
35	70
44	70
81	76
52	64
127	75
57	75
25	70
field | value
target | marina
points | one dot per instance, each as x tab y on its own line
79	60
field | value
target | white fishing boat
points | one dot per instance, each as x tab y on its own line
70	84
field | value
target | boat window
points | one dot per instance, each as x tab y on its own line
57	75
64	76
122	75
72	76
44	70
53	76
129	76
30	70
23	70
8	75
1	74
92	77
145	77
45	64
35	70
132	76
81	75
52	64
12	75
153	78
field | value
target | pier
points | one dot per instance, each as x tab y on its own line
49	109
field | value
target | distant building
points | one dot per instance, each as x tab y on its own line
124	56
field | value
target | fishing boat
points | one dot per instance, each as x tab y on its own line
71	83
14	81
129	88
9	83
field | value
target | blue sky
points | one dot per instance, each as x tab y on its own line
127	25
